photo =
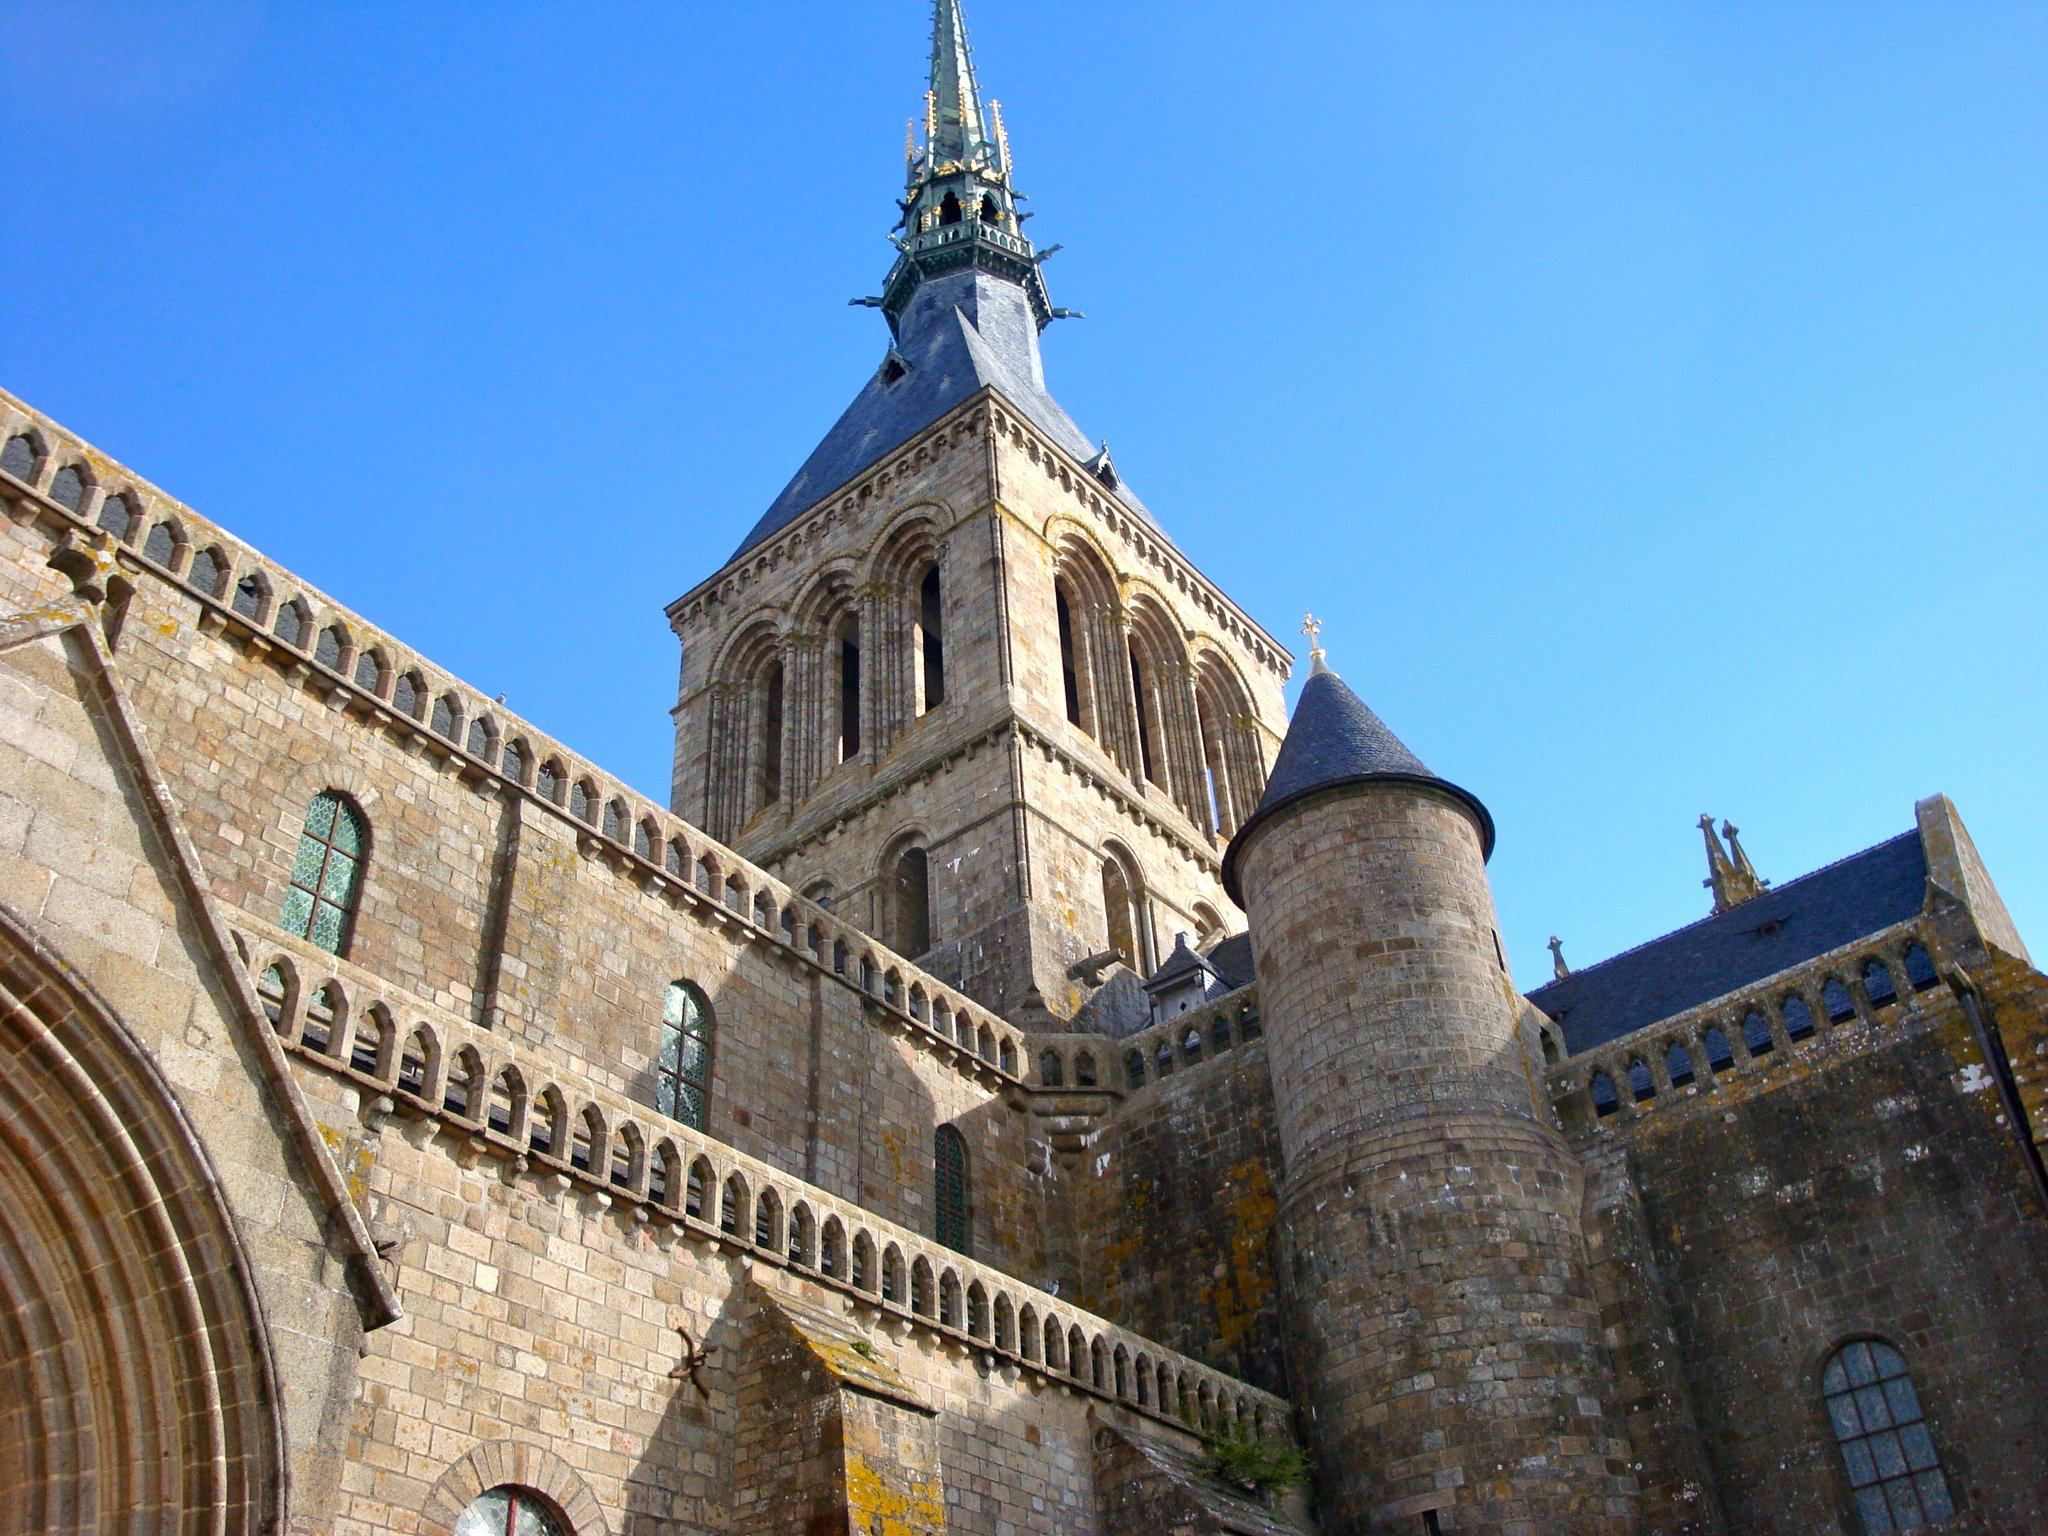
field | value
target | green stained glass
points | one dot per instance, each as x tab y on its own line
690	1106
339	883
348	832
326	873
683	1065
671	1050
327	926
320	816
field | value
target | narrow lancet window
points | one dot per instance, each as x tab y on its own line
771	734
931	639
849	689
683	1073
1144	711
1070	678
327	874
949	1160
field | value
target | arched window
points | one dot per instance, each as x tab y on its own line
509	1511
910	930
582	797
1920	969
20	456
207	569
949	1187
67	487
1678	1064
1756	1033
370	672
1894	1475
405	696
327	875
1834	997
447	719
1720	1056
1640	1083
250	593
849	688
1798	1018
161	547
1123	917
291	624
1070	670
771	733
548	785
683	1073
117	516
332	646
1604	1100
949	209
1141	700
1051	1071
1084	1071
931	641
1134	1068
483	739
1878	985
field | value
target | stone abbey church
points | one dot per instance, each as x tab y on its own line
1020	1082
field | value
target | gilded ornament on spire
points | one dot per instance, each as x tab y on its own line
1731	877
1313	628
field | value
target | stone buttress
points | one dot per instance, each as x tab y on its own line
1440	1319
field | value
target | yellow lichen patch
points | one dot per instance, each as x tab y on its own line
1253	1208
900	1503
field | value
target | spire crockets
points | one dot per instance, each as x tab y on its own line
959	209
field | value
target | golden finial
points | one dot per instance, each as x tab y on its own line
931	117
1313	628
910	140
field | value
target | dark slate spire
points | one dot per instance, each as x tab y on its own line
1334	740
964	300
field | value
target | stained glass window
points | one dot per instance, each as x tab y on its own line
327	873
508	1511
949	1164
1893	1472
683	1074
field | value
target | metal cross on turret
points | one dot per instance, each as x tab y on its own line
1313	628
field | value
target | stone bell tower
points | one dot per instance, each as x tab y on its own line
957	681
1440	1320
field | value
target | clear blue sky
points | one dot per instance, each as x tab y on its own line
1652	399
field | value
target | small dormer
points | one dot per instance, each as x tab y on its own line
1184	982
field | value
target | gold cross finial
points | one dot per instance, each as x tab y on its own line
1313	628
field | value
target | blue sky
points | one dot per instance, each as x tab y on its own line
1652	399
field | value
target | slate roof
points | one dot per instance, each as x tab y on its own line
1334	739
1180	963
1860	895
960	333
1233	961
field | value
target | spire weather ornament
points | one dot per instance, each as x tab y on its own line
1730	875
1558	969
1313	628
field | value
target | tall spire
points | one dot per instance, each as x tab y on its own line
959	209
958	132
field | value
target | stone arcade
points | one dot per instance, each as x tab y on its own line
411	1128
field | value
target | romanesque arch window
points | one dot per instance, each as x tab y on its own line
848	636
949	1188
290	626
208	568
908	888
1051	1073
161	547
1070	667
1894	1475
68	487
483	739
251	592
771	733
327	875
118	516
21	456
1141	699
447	719
683	1071
1123	913
931	639
510	1511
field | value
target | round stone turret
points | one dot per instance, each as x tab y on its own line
1441	1330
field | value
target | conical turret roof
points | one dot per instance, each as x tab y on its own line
1334	739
